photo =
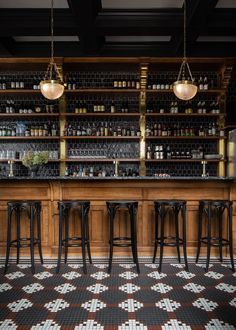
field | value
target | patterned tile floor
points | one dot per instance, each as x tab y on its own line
171	300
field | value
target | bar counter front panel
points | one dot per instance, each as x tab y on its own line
98	191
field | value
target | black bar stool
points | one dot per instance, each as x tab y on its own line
82	209
112	207
212	211
32	210
173	207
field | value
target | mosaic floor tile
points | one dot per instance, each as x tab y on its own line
173	299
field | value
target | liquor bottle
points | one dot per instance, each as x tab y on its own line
213	129
172	109
112	107
209	132
168	152
205	83
200	83
176	108
204	110
199	107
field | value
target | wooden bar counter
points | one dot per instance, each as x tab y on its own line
98	190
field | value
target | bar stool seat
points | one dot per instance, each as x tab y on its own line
212	211
132	207
82	210
32	209
173	207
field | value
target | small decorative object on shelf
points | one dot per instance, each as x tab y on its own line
33	160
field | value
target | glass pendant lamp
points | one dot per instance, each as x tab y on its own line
52	86
185	88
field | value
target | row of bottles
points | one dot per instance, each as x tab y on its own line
181	129
126	82
18	82
201	107
21	129
100	129
98	171
203	83
100	106
10	107
162	152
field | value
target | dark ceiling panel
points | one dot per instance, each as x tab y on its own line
88	21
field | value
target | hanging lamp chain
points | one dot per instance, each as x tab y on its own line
52	65
184	64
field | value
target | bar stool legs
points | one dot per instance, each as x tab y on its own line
82	209
211	211
112	207
162	207
33	210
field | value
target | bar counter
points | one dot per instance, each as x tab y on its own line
50	190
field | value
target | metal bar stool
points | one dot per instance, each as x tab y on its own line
32	210
173	207
212	211
112	207
82	209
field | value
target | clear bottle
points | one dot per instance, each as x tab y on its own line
205	83
112	107
200	83
149	153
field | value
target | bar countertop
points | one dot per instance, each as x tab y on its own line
120	178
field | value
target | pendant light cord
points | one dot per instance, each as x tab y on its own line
184	29
52	45
52	65
184	64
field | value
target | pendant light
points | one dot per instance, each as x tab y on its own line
52	87
185	88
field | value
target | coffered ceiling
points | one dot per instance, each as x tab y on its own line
118	28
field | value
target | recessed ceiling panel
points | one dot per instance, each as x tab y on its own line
141	4
46	38
33	4
226	4
137	38
216	39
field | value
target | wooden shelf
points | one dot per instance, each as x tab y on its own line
101	160
29	137
102	114
20	91
152	114
22	115
207	91
188	160
103	90
102	137
20	161
185	137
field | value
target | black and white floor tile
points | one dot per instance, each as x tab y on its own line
171	300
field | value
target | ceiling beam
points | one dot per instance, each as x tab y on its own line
197	12
85	13
28	22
